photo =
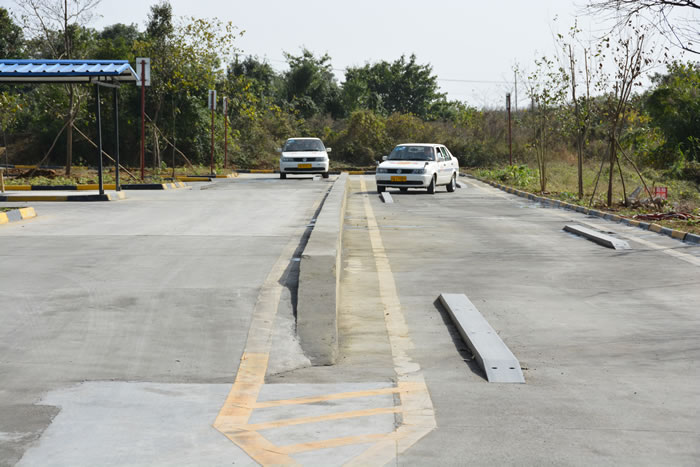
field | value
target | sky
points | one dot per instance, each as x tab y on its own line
471	45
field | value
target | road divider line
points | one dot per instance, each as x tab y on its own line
418	415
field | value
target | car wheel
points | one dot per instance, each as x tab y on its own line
403	190
381	189
283	176
431	187
325	174
452	185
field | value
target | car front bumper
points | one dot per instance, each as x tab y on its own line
405	181
304	167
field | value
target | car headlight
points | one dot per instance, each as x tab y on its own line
419	171
381	170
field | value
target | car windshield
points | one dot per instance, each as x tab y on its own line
295	145
412	153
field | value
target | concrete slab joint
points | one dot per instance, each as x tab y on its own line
492	354
319	276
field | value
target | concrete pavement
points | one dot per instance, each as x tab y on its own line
116	333
125	321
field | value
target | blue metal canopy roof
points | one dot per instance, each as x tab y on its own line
66	71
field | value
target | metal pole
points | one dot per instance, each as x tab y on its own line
116	140
99	138
143	118
510	138
510	134
515	75
225	134
212	139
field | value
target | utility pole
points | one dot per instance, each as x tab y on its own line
515	75
143	118
225	109
212	107
510	133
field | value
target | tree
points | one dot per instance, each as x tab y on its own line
403	86
310	85
682	31
44	19
674	107
546	87
589	76
631	59
11	36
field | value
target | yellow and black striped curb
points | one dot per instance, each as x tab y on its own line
96	197
92	187
331	172
677	234
17	215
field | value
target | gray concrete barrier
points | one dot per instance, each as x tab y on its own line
319	277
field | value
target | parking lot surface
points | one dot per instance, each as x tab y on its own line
123	326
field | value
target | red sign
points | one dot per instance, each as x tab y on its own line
661	192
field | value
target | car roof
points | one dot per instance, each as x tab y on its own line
304	138
421	144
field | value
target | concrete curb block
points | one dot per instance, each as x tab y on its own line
88	187
105	197
319	278
597	237
17	215
489	350
676	234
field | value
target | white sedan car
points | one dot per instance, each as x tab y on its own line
304	156
418	166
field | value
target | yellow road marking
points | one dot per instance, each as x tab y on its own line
321	418
336	442
418	413
330	397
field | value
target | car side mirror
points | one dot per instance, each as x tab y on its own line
384	157
329	149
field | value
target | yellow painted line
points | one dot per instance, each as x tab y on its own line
237	408
194	179
25	166
321	418
418	415
331	397
3	218
356	172
95	186
18	188
633	222
336	442
680	235
260	449
261	171
655	228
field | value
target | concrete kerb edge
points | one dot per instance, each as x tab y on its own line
16	215
676	234
319	279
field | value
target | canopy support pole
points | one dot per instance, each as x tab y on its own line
98	111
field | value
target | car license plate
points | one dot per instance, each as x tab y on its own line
304	166
398	179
